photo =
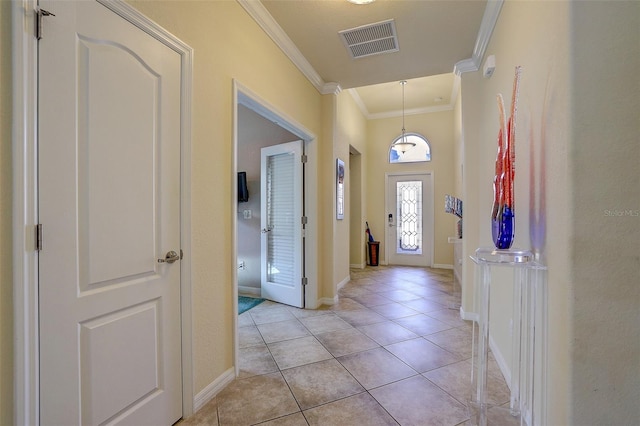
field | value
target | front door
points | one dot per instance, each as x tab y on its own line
109	205
282	243
409	220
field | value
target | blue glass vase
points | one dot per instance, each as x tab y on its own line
503	229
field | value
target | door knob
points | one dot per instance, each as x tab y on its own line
171	257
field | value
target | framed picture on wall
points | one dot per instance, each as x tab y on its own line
339	189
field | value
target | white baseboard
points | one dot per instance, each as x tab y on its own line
212	389
468	316
249	291
329	300
344	281
502	363
357	266
442	266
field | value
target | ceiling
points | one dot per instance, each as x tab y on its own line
432	36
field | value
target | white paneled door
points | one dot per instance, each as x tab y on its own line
109	204
281	222
409	220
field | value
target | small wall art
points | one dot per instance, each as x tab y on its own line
339	189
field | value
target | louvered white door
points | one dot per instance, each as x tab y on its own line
281	223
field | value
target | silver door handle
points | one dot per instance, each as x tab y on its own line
171	257
264	231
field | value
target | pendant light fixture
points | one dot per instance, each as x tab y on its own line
402	144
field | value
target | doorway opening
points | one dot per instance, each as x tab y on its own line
409	205
258	128
357	244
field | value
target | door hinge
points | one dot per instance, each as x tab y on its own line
39	237
304	220
304	281
303	158
40	13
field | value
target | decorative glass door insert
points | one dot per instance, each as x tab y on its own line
409	217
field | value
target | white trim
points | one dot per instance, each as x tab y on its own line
253	291
358	100
331	89
428	228
330	301
357	266
465	65
264	19
412	111
442	266
212	389
233	202
343	282
455	89
489	19
469	316
25	214
242	95
25	195
502	363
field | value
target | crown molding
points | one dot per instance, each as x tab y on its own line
358	100
489	19
455	90
331	89
414	111
465	65
264	19
389	114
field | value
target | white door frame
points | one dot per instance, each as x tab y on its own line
242	95
25	203
427	219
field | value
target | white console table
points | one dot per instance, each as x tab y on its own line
526	405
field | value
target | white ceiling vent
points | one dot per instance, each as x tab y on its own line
372	39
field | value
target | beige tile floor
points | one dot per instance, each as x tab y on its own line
392	351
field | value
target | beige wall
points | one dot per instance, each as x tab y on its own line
227	45
458	147
577	156
326	201
536	36
350	131
579	85
438	129
605	202
6	281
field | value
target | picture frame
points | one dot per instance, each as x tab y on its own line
339	189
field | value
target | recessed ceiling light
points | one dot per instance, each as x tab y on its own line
361	1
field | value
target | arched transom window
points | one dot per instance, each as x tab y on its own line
408	153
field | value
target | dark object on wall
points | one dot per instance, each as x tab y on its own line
243	191
374	252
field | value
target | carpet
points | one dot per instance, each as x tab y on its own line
246	303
